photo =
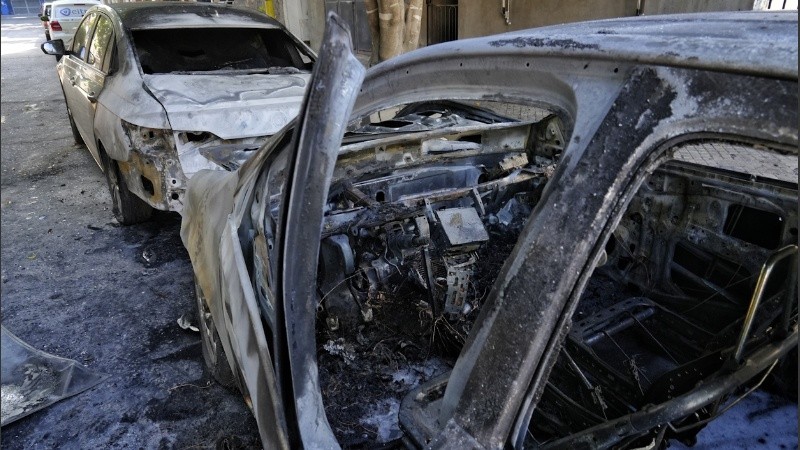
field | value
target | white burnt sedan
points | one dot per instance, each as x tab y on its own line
158	91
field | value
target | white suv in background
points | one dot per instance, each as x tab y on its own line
65	16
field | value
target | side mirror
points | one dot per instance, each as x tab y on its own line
54	47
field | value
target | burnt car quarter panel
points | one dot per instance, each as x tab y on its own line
158	91
592	245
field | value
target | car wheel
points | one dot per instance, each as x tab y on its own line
127	207
213	353
75	134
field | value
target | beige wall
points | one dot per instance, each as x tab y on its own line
316	23
294	15
685	6
485	17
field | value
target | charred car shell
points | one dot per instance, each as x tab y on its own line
564	252
159	91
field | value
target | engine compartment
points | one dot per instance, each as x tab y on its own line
408	256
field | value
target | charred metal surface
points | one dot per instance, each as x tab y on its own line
309	172
153	170
521	42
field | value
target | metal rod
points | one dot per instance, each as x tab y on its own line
791	297
727	407
621	325
758	293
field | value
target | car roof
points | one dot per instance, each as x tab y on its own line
755	42
164	15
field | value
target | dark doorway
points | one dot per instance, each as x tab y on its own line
442	21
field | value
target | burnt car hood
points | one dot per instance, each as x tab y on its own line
229	106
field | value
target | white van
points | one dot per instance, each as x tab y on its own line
65	15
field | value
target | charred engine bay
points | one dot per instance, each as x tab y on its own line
409	257
406	261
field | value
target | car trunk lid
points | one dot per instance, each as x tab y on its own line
229	106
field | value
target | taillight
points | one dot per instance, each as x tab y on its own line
55	26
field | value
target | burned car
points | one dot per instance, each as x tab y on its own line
591	245
157	91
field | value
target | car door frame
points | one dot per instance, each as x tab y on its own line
70	71
83	83
287	401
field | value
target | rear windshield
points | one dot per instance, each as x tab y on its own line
247	50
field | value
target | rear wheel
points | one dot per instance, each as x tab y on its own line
75	134
213	353
127	207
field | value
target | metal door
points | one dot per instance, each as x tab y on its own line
354	14
442	21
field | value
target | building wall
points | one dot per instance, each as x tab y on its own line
485	17
686	6
316	22
294	14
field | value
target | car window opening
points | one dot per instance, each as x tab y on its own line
666	309
217	49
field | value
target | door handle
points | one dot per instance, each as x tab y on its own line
72	80
92	97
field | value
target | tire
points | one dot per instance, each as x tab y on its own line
128	209
213	352
46	35
75	134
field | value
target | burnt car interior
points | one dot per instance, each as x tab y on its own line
246	50
666	309
426	204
